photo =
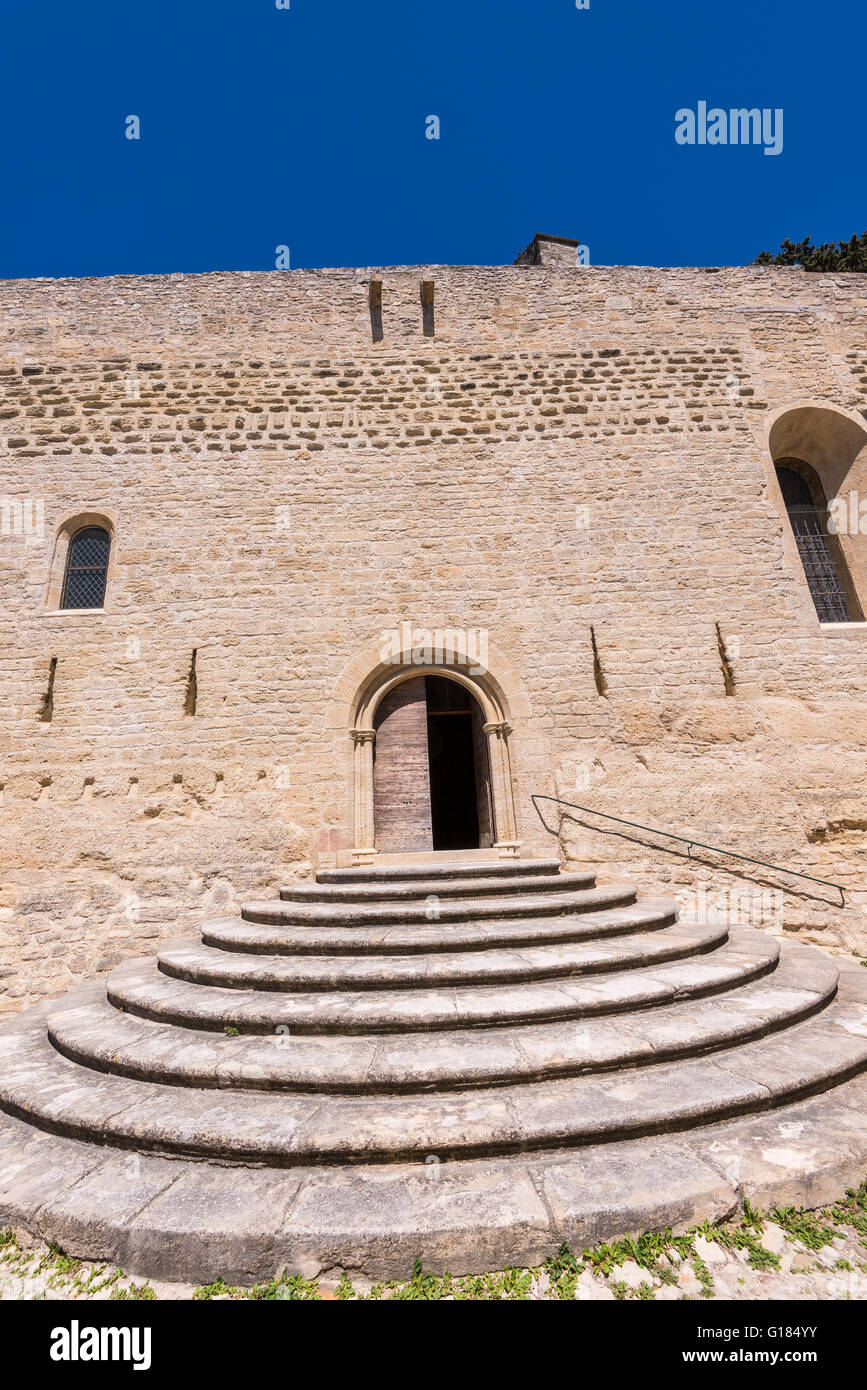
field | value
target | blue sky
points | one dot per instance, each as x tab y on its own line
306	127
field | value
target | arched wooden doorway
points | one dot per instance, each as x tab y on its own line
431	771
417	785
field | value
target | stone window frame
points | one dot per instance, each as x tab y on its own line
68	528
790	452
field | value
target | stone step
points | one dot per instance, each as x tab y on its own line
234	934
206	965
47	1089
277	913
140	988
168	1218
413	889
96	1035
447	870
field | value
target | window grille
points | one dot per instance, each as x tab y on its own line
86	569
807	517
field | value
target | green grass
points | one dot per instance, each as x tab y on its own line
804	1226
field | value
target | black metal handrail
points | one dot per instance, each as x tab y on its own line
690	843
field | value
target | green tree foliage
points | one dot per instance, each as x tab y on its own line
843	255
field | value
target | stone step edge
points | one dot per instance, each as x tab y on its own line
360	893
595	1005
121	1061
183	1135
455	869
230	933
640	949
197	1222
274	912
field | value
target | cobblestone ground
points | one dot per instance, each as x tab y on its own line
784	1254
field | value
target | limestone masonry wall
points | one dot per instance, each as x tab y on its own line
570	449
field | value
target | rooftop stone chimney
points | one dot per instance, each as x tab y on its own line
553	251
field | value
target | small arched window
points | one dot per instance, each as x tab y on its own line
86	568
824	565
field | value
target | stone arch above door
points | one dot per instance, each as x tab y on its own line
502	704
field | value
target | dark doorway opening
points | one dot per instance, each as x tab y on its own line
453	751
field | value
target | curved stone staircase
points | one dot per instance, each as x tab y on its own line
467	1063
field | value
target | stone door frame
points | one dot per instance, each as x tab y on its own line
497	727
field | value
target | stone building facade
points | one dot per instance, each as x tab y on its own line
555	484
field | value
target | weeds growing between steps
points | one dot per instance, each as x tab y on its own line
784	1253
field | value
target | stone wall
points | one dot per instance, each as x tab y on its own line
572	449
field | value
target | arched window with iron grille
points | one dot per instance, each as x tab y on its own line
86	568
824	566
